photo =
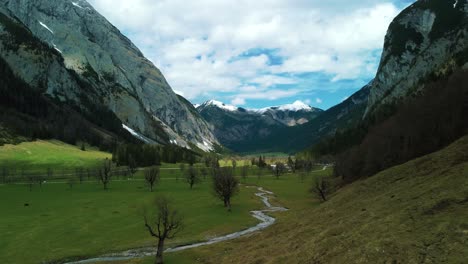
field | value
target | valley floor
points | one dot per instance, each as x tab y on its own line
413	213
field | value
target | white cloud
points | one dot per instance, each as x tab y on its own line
197	44
318	100
238	101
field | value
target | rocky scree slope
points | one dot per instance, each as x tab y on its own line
112	66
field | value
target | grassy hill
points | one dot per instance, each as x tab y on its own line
40	155
413	213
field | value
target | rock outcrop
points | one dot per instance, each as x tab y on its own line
429	39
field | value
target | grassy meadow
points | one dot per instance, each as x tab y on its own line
39	155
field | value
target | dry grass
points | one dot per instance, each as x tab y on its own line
413	213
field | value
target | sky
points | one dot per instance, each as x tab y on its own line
259	53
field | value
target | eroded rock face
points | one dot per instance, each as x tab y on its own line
128	83
429	38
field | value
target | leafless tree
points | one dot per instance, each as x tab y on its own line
50	174
79	174
132	166
164	224
259	173
279	169
105	174
302	175
71	180
245	173
204	172
191	176
225	185
30	180
4	174
152	176
320	188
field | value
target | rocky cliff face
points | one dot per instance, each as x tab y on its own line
114	69
427	40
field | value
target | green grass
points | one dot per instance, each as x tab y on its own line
40	155
87	221
413	213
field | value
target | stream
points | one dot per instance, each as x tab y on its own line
265	221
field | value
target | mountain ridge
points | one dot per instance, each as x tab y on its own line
123	79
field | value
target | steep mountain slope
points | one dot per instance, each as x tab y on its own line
413	213
113	68
242	130
427	40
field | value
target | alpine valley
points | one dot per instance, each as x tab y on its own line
102	162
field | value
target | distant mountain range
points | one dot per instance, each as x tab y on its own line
235	126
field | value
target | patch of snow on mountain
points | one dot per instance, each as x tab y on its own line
57	49
206	146
77	5
46	27
221	105
455	5
137	135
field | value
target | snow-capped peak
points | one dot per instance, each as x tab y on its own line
296	106
221	105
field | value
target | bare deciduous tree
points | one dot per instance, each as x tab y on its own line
279	169
164	224
79	174
71	180
30	180
104	174
191	176
50	174
245	173
320	188
225	185
132	166
152	176
204	172
4	174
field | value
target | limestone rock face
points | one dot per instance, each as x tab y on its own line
428	39
126	82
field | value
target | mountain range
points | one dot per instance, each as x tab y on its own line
241	129
81	66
